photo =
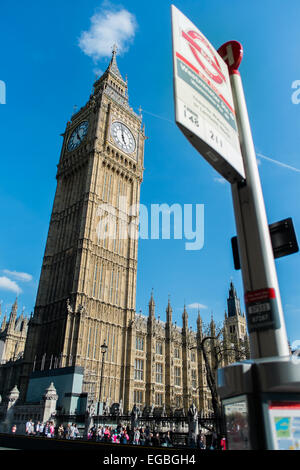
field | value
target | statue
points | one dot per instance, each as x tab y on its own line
121	411
151	410
89	417
91	409
106	408
69	308
193	425
134	417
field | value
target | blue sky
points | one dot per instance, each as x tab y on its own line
46	73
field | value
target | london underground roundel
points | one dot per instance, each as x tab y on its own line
204	109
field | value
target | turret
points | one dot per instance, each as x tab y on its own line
112	76
4	321
233	302
13	314
199	326
185	318
212	326
151	306
169	312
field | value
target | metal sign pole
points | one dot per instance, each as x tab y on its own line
265	318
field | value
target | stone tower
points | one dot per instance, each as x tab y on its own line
235	321
87	285
12	336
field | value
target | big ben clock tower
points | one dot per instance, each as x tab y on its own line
87	287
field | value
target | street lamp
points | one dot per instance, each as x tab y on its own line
104	348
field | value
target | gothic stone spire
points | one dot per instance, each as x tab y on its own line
113	66
151	305
169	312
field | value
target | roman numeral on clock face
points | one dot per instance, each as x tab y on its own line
123	137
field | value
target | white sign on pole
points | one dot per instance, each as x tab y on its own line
204	109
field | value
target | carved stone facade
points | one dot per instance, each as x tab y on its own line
13	412
13	333
98	175
168	368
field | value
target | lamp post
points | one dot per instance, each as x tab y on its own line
104	348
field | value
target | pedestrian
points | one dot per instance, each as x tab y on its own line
47	429
142	437
193	440
114	438
200	442
163	441
107	434
37	429
156	440
214	441
14	429
149	438
60	431
51	429
76	432
99	433
168	439
93	433
29	427
67	431
136	437
42	429
223	443
124	436
72	431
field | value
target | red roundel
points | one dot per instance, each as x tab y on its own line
195	39
232	53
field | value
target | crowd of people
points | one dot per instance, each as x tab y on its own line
123	435
119	435
48	429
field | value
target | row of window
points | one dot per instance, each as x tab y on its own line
93	348
138	397
106	189
139	346
112	234
118	243
113	292
139	373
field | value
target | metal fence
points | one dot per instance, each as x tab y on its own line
175	424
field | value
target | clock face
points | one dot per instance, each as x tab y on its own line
78	135
123	137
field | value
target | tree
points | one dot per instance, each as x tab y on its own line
220	351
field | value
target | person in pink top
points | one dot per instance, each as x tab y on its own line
107	434
51	429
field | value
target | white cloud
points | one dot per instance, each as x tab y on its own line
220	180
8	284
98	72
24	277
108	27
197	305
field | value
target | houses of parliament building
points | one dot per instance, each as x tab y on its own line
87	288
